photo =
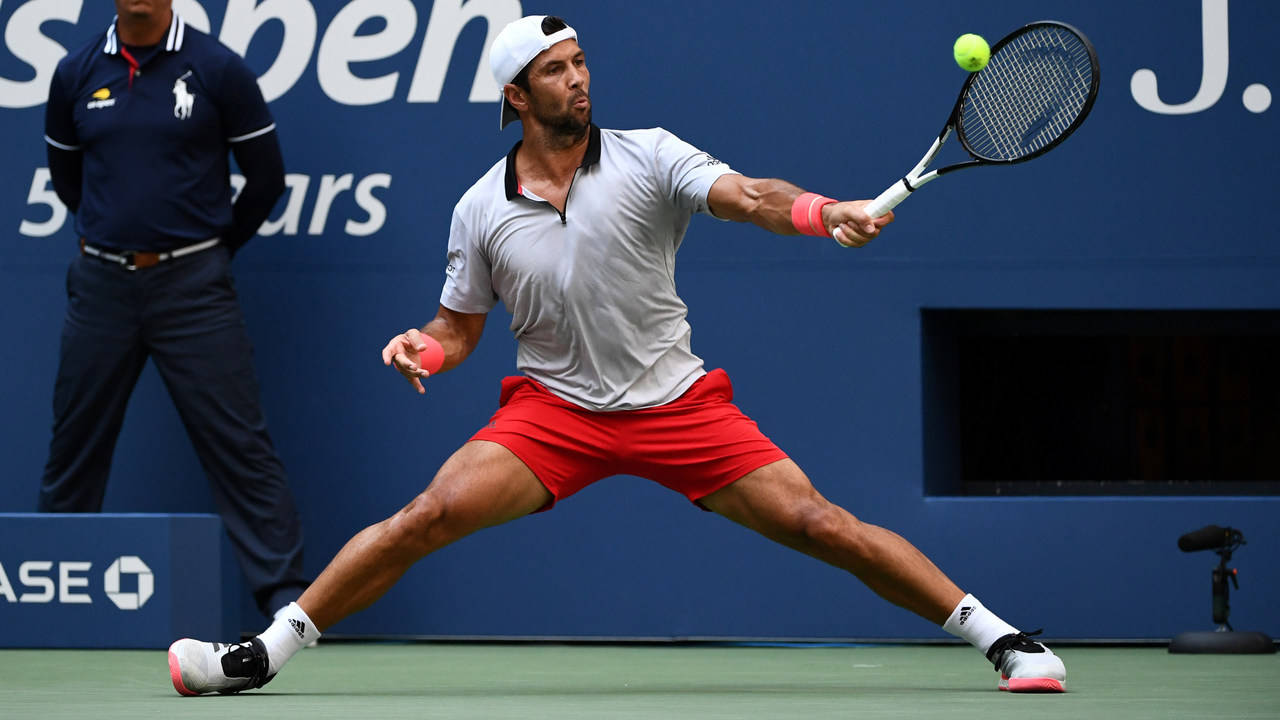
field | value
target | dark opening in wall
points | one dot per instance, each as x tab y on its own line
1027	402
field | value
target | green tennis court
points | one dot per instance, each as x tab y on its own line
432	680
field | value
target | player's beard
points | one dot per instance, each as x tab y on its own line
567	123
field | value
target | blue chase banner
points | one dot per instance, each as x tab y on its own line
114	580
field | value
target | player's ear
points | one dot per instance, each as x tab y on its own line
516	96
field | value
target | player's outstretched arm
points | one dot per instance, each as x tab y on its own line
770	203
448	339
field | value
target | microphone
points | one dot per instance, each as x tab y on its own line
1209	537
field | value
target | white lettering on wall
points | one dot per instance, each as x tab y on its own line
1213	81
289	222
371	205
27	576
36	577
340	45
1215	47
448	18
245	17
6	588
42	193
66	581
296	185
28	45
193	14
330	187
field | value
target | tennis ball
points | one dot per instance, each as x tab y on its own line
972	52
431	358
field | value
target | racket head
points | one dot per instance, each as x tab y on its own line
1036	89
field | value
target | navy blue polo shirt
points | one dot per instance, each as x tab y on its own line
155	139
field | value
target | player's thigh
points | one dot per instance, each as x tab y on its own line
484	484
775	500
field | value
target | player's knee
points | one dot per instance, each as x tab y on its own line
422	525
824	525
827	528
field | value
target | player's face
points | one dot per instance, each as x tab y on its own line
143	9
560	89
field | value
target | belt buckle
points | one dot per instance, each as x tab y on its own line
127	259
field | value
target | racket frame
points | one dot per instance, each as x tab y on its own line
914	180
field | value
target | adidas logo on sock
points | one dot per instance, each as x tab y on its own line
965	612
299	627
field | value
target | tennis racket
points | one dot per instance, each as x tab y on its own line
1035	91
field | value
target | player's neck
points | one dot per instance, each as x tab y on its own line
143	30
550	156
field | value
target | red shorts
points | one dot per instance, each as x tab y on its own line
695	444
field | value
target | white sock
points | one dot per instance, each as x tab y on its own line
291	631
976	624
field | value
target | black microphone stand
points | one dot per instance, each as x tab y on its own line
1224	640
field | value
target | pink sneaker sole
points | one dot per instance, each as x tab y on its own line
175	674
1031	685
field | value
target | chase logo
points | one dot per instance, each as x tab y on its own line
101	99
129	565
65	582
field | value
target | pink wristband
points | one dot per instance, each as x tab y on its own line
431	358
806	214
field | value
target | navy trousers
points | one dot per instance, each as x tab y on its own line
185	316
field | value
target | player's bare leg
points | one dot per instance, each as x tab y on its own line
779	502
481	485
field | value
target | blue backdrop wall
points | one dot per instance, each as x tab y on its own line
1164	200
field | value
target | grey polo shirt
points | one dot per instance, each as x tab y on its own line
592	293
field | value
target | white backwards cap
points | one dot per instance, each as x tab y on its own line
514	48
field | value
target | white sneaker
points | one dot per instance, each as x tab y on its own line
200	667
1027	666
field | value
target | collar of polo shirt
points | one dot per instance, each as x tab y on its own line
589	158
172	43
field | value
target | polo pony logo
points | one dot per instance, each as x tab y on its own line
182	98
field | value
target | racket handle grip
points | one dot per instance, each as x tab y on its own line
888	199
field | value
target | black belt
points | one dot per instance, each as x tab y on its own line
138	259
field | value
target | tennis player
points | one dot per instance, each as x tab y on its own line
576	232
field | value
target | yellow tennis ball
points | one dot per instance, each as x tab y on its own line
972	52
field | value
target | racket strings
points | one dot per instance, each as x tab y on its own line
1029	94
